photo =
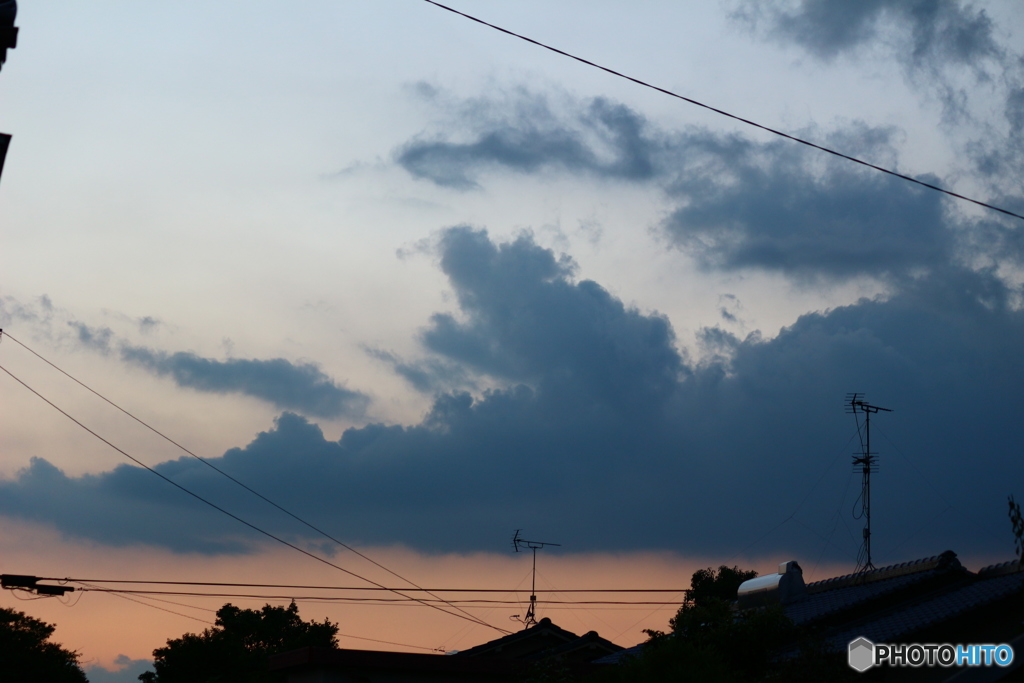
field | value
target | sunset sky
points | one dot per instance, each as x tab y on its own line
422	284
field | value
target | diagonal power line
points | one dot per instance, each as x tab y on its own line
460	613
220	471
722	112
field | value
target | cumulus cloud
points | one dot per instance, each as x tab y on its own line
526	316
602	435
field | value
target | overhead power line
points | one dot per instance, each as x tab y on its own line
460	614
722	112
366	600
210	623
350	588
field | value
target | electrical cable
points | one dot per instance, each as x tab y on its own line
342	635
748	122
69	579
208	463
551	590
389	642
919	529
169	602
837	516
162	609
232	515
803	500
369	601
933	487
463	631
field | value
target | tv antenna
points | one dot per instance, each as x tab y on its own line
519	543
867	460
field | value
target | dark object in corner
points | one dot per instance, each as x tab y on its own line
5	140
8	31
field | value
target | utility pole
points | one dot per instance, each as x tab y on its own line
867	461
531	612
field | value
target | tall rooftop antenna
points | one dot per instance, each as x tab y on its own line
518	543
867	460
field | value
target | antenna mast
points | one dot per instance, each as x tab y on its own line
867	460
531	613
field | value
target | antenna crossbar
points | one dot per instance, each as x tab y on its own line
518	543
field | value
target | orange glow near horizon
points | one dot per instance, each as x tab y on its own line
103	626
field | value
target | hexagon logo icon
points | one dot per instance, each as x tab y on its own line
862	654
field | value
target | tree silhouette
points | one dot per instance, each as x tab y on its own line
722	584
26	655
235	650
711	641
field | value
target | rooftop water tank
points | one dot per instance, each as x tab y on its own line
779	589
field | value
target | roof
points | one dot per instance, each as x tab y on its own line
621	655
508	657
973	593
840	595
896	602
544	640
929	597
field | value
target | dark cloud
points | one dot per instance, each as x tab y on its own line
604	437
286	385
944	46
777	207
289	386
525	316
931	32
125	506
605	140
997	158
738	204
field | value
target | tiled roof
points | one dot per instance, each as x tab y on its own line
832	597
931	610
1010	567
544	632
542	641
820	605
945	560
585	648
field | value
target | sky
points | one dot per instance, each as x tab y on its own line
423	284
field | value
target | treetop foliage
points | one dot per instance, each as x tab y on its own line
236	649
26	655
